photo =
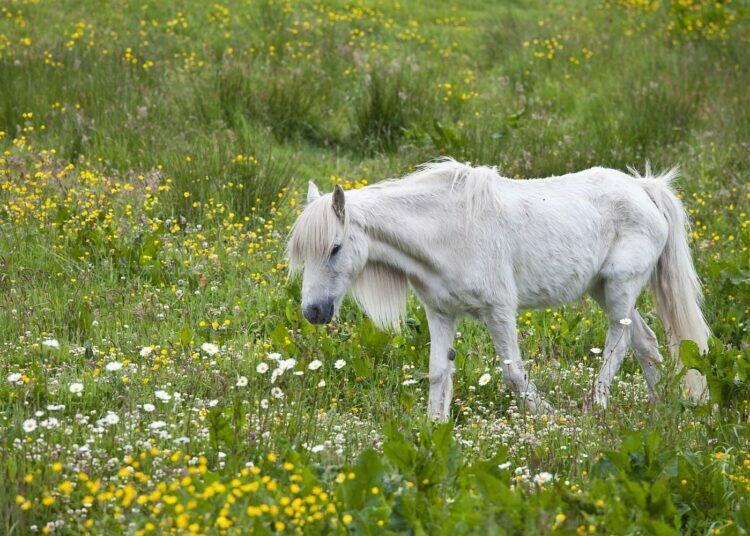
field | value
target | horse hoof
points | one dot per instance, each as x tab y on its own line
539	406
544	408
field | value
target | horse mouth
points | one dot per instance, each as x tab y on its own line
319	313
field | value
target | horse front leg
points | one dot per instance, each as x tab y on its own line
442	330
501	323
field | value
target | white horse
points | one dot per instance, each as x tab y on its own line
470	242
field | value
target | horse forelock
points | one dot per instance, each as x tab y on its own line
313	233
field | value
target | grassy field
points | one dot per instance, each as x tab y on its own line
156	374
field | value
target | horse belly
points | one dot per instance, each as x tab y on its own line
561	268
549	290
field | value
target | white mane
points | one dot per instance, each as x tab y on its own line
472	187
380	291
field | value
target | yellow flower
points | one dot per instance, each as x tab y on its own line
347	519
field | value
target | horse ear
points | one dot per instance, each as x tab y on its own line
338	202
312	192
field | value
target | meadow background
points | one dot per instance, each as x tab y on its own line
156	374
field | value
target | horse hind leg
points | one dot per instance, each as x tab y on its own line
618	299
646	349
643	342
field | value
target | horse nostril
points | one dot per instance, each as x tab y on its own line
310	313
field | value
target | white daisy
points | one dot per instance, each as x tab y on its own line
210	348
51	343
111	418
50	423
15	377
339	364
262	368
29	425
76	388
163	396
241	381
315	365
484	379
114	366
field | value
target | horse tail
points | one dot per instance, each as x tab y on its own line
674	283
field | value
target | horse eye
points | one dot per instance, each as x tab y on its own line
335	250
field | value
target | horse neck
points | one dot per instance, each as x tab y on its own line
403	225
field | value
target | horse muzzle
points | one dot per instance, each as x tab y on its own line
319	313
